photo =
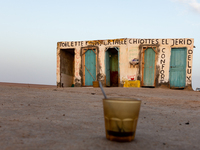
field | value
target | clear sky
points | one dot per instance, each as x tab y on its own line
30	30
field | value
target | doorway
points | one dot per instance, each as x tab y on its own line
67	67
112	67
177	73
148	66
89	66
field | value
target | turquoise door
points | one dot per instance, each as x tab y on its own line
107	68
177	75
90	67
149	67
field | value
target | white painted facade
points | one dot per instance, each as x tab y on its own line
129	48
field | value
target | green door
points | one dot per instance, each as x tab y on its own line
177	68
149	67
90	67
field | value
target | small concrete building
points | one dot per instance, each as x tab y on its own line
152	62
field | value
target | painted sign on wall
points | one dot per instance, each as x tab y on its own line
162	65
126	41
189	65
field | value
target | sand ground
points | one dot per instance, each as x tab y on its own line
46	117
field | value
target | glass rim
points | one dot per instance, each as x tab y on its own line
122	99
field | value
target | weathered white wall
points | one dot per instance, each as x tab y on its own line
128	50
58	65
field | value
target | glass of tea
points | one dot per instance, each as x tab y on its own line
121	116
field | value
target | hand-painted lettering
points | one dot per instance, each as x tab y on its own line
125	41
190	51
108	42
163	65
142	41
189	78
189	57
130	41
162	62
163	41
163	56
189	66
189	42
189	71
135	41
179	41
157	41
163	50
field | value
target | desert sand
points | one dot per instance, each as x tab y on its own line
35	117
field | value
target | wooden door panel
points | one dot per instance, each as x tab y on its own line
177	68
90	67
149	67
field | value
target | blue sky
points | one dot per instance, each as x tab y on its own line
29	30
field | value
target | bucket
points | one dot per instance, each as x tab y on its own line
95	83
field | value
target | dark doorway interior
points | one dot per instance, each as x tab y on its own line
112	67
67	67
